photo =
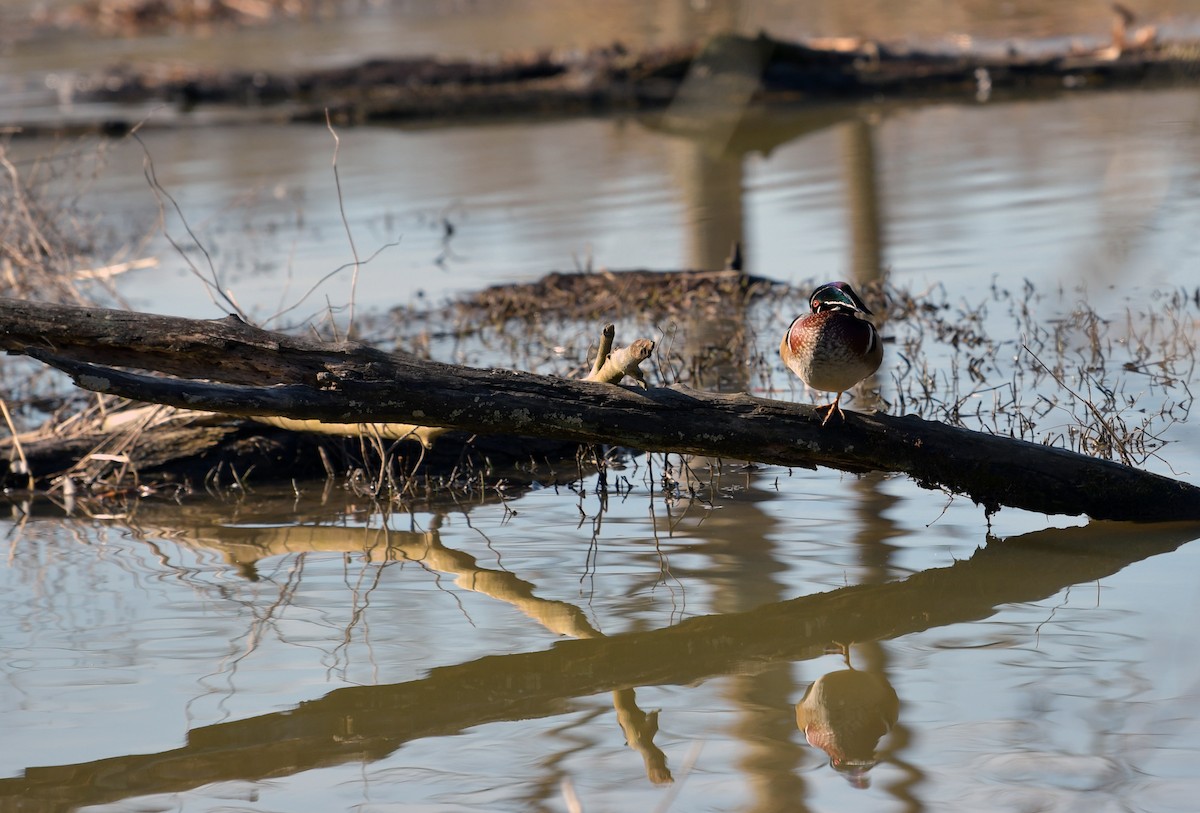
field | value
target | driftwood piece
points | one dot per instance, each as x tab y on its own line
610	366
349	383
370	722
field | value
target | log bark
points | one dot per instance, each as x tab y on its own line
350	383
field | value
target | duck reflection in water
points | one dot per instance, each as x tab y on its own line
844	713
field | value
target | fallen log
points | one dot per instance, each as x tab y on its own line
772	71
350	383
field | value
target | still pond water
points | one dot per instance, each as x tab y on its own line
562	648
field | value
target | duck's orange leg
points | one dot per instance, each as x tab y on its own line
836	406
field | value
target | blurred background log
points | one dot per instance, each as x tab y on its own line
745	70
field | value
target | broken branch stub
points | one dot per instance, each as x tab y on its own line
611	365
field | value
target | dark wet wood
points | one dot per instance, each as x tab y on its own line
221	366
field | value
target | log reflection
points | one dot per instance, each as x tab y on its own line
243	546
369	722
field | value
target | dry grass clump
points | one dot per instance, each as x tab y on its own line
49	242
1106	387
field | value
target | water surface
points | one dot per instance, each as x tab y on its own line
316	651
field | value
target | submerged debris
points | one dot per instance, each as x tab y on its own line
589	296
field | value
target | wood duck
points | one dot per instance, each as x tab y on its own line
832	348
